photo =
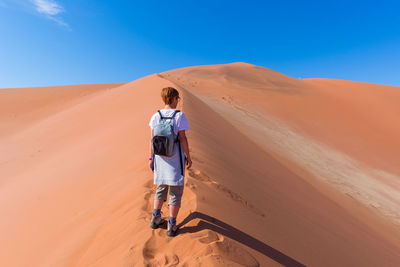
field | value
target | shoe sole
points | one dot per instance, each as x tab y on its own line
156	226
172	234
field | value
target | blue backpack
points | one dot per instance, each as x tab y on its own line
164	138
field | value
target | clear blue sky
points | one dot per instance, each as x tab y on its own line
46	42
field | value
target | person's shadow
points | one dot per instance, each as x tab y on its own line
211	223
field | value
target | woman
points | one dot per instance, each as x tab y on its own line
168	170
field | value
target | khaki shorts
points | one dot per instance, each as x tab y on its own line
175	193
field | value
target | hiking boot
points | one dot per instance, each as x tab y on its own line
172	229
156	221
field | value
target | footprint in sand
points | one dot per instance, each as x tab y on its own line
228	99
153	254
147	205
199	176
196	174
206	236
220	250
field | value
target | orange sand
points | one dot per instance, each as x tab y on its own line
285	172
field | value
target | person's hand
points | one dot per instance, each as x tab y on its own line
189	162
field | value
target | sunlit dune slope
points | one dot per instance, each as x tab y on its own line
19	107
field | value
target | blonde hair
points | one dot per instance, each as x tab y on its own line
168	94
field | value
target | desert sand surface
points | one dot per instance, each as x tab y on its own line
286	172
20	107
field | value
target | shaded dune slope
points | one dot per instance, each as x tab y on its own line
325	128
81	180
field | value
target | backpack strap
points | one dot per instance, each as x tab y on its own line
167	118
160	114
179	144
180	156
175	112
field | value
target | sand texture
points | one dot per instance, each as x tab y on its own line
286	172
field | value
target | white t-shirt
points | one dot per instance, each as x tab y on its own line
167	170
180	120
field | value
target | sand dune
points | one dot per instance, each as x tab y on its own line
20	107
286	172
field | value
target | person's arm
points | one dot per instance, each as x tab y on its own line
151	150
185	144
151	147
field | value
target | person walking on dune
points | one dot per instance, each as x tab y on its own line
168	157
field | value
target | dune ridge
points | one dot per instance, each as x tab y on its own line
76	189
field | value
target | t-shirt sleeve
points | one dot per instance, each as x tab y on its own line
153	122
182	123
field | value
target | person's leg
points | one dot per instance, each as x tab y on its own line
175	196
158	204
159	198
173	211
